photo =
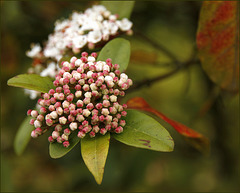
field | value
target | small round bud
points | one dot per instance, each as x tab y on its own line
81	134
66	143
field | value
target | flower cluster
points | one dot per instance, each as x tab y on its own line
72	35
86	99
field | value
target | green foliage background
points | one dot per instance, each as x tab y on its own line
180	97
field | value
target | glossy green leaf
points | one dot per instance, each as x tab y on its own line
94	153
32	82
23	136
118	50
143	131
57	150
122	8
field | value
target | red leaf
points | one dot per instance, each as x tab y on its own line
218	42
196	139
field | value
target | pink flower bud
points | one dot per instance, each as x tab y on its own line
29	112
92	134
122	93
86	112
41	102
31	122
62	120
73	59
65	104
56	83
114	124
59	111
109	60
46	96
85	87
38	131
73	112
94	54
67	131
105	97
94	112
124	106
108	118
59	139
79	111
53	100
37	124
98	105
40	118
51	92
70	97
113	98
73	126
115	119
122	123
124	113
113	110
116	66
105	111
49	122
95	93
84	54
59	89
61	96
34	134
50	139
101	118
64	137
86	101
72	107
78	87
58	127
55	134
119	129
66	144
66	91
118	116
78	94
34	113
79	103
117	72
65	80
106	103
81	134
51	108
47	102
103	131
90	106
71	118
72	81
95	128
108	127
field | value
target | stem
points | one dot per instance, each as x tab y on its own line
148	82
157	46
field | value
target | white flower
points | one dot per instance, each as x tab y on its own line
124	24
106	67
79	41
36	49
50	70
94	36
32	93
108	78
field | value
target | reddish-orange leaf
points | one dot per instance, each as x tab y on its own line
195	138
218	42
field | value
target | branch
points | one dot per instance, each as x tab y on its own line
148	82
157	46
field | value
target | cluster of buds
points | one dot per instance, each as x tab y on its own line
86	99
89	29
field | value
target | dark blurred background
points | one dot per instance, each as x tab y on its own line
181	97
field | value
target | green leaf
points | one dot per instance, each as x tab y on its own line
143	131
57	150
32	82
23	136
94	153
118	50
122	8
